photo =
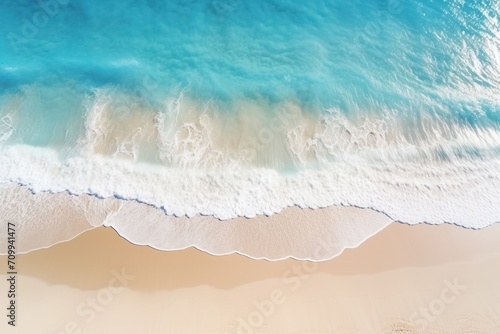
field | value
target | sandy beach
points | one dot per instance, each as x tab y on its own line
410	279
250	167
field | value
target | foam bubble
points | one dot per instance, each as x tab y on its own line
201	161
465	192
45	219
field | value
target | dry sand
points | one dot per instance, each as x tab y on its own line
406	279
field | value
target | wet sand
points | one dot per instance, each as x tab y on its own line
411	279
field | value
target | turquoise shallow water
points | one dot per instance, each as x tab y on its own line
360	57
249	107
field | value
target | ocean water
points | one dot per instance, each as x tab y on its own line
234	108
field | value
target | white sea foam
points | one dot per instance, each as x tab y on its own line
45	219
6	128
225	167
467	194
8	113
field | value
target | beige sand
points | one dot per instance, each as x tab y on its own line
406	279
